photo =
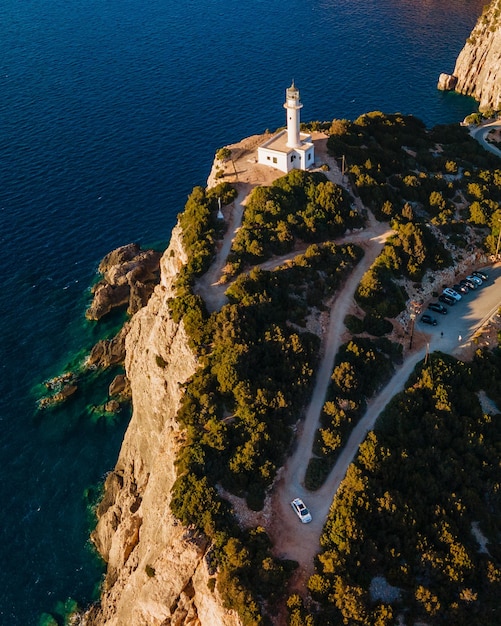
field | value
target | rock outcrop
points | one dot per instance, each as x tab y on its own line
120	387
156	571
478	66
129	277
107	352
447	82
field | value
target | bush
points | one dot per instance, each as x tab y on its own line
376	325
354	324
160	361
317	471
255	497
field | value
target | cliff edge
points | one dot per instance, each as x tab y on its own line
156	571
478	66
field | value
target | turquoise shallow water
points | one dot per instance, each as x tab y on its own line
110	112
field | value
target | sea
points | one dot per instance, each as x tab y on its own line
110	112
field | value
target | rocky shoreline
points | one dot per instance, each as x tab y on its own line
129	276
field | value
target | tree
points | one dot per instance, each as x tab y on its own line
223	154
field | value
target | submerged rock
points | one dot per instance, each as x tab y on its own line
112	406
58	397
58	382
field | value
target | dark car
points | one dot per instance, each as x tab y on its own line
428	319
469	283
480	274
438	308
446	299
460	288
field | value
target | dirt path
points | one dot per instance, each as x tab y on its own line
301	544
291	538
210	286
278	516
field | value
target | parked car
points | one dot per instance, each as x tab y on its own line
475	279
438	308
302	512
428	319
480	274
446	299
451	293
460	288
468	283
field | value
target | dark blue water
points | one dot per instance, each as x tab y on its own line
110	112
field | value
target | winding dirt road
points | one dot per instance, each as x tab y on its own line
291	538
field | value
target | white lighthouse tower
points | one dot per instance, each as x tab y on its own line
289	149
293	106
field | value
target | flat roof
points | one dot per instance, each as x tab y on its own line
279	142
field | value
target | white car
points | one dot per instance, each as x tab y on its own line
453	294
302	512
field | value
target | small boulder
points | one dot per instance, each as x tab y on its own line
447	82
109	351
119	385
112	406
107	297
119	257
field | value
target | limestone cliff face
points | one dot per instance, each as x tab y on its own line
478	66
156	573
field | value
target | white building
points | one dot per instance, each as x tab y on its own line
289	149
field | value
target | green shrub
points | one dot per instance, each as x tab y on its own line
160	361
376	325
255	497
301	205
316	473
354	324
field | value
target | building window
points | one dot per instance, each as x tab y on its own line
292	158
274	159
268	158
309	157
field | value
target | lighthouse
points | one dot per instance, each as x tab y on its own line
289	149
293	106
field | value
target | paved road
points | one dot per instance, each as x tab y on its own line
480	132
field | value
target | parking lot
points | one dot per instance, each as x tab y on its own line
466	316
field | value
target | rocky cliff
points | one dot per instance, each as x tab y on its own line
156	572
478	66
